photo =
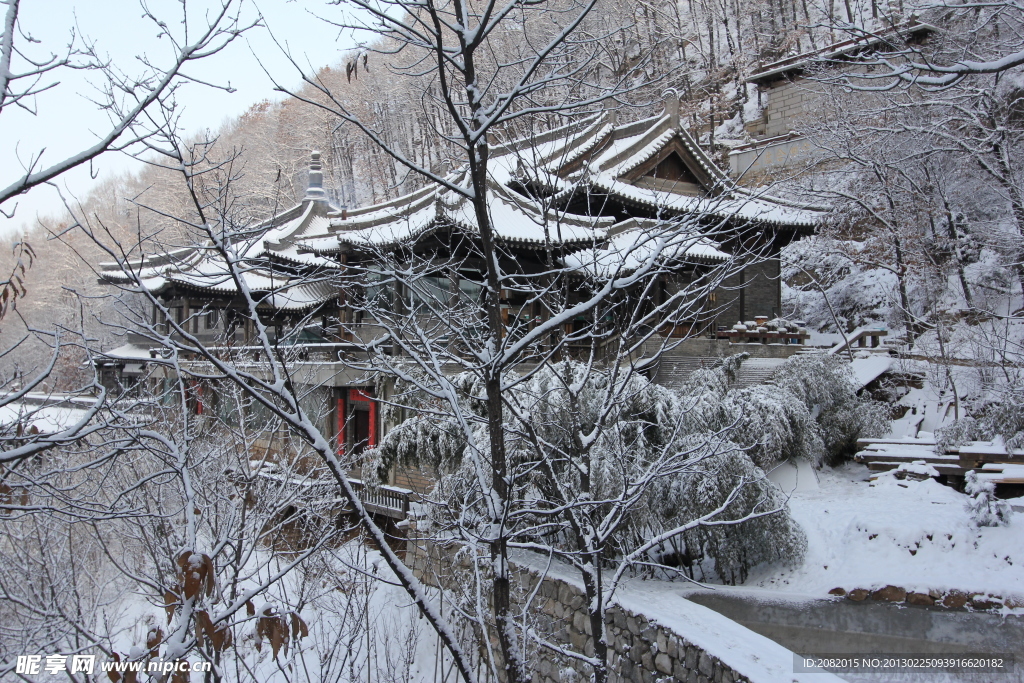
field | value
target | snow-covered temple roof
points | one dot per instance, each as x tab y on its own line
650	168
202	268
516	219
651	164
888	38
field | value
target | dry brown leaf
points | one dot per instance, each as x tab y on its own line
196	573
113	675
153	640
299	628
170	603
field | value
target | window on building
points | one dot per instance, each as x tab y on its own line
470	289
380	294
431	291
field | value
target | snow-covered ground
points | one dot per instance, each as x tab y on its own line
917	535
860	535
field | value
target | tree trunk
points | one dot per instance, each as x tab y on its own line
512	660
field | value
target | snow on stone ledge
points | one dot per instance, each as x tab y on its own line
748	653
866	370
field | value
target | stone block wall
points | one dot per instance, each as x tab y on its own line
754	291
729	300
762	289
752	164
640	649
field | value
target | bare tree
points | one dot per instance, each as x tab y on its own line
127	98
480	94
197	543
466	320
130	100
973	40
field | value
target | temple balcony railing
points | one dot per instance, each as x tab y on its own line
385	500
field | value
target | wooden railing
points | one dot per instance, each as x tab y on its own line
390	501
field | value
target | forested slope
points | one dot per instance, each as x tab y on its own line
921	178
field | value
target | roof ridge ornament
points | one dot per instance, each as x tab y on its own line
611	111
315	188
671	97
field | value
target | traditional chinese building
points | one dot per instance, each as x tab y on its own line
589	186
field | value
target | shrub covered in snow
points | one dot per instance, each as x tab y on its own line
722	469
985	509
824	384
964	430
657	459
1005	419
771	424
808	411
568	443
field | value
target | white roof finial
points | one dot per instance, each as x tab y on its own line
671	97
315	188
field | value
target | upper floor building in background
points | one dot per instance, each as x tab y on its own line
792	92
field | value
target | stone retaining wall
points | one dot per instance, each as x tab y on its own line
640	649
788	102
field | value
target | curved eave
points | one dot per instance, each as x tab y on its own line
673	262
298	265
298	308
560	138
174	257
261	295
440	225
722	214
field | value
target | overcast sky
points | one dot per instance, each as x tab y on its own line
67	122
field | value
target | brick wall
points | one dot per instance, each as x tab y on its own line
729	301
417	479
788	102
762	289
756	290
